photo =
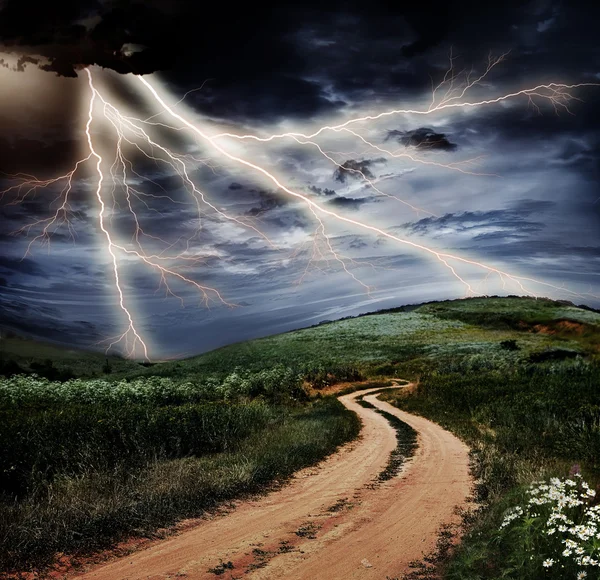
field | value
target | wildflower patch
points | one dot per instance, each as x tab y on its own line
557	532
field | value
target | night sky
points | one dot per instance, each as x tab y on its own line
532	208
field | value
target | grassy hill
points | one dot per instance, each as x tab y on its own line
20	354
385	342
379	342
517	378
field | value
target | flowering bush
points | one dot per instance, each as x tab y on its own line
556	534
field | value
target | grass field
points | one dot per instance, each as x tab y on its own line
377	342
19	354
98	495
517	378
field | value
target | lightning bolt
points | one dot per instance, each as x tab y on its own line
130	132
110	245
317	209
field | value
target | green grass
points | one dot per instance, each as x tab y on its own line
378	343
38	446
90	461
90	507
524	422
18	354
497	312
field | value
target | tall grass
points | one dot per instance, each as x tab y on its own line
89	507
37	446
86	462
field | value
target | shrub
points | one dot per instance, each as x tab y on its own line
553	354
324	375
9	368
509	345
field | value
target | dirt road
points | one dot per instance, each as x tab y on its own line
331	522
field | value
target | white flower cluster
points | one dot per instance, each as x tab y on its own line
566	514
511	515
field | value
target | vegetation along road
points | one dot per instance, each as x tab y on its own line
352	516
100	454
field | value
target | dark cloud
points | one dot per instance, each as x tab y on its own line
142	37
269	50
531	206
268	202
298	62
43	322
321	191
357	243
354	168
25	266
71	34
347	202
55	33
553	249
274	97
422	138
21	63
512	221
34	156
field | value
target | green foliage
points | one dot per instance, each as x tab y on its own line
509	344
107	367
342	349
85	460
321	376
90	509
277	384
552	354
9	368
523	421
38	446
47	370
507	313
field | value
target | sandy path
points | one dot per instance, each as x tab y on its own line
373	531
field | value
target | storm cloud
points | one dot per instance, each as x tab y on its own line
352	168
520	187
422	138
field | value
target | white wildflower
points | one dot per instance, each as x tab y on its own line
548	563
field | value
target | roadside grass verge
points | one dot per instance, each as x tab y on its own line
524	424
38	446
80	512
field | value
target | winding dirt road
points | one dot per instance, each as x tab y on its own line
331	522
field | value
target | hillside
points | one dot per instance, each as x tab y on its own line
384	342
377	342
20	354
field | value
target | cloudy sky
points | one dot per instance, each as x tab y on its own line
512	185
